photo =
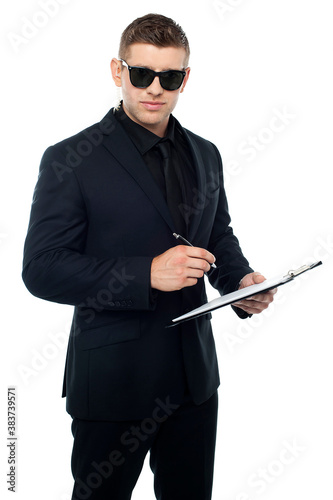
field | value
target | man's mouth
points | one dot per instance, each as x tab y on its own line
152	105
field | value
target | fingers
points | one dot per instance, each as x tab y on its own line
252	307
257	303
179	267
258	278
267	296
193	257
189	272
198	253
251	279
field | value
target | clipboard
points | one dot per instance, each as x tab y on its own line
244	293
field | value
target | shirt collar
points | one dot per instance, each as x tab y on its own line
142	138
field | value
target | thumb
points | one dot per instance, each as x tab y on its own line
258	278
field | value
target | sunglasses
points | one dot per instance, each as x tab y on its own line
143	77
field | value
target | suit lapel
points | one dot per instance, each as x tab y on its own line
197	203
123	150
119	145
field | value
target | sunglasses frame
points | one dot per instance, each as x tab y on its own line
154	74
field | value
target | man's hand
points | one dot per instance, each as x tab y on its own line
179	267
257	303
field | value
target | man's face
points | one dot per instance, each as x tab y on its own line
152	106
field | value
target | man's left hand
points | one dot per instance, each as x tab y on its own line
257	303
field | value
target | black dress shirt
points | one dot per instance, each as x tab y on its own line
146	141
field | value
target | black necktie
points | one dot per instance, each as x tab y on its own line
172	186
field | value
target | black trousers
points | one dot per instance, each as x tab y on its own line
108	456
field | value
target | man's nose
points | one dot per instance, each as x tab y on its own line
155	87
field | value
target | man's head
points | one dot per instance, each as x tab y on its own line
154	29
157	43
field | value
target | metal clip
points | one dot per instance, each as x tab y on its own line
302	269
298	271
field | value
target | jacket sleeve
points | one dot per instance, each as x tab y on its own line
232	266
55	265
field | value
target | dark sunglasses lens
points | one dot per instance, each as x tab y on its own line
172	80
141	78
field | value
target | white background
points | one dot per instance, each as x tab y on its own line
250	59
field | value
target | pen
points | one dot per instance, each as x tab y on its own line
179	237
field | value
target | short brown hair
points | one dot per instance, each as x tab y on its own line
154	29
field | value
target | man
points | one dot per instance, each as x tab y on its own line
100	237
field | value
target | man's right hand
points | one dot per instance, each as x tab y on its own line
179	267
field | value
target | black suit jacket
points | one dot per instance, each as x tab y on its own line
97	221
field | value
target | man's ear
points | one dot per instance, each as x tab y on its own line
115	66
188	70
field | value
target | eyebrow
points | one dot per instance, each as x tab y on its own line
149	67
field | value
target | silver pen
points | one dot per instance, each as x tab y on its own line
179	237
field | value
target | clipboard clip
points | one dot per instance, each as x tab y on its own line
302	269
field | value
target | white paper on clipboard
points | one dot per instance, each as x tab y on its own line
244	293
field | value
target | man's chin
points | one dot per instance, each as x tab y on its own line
153	118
